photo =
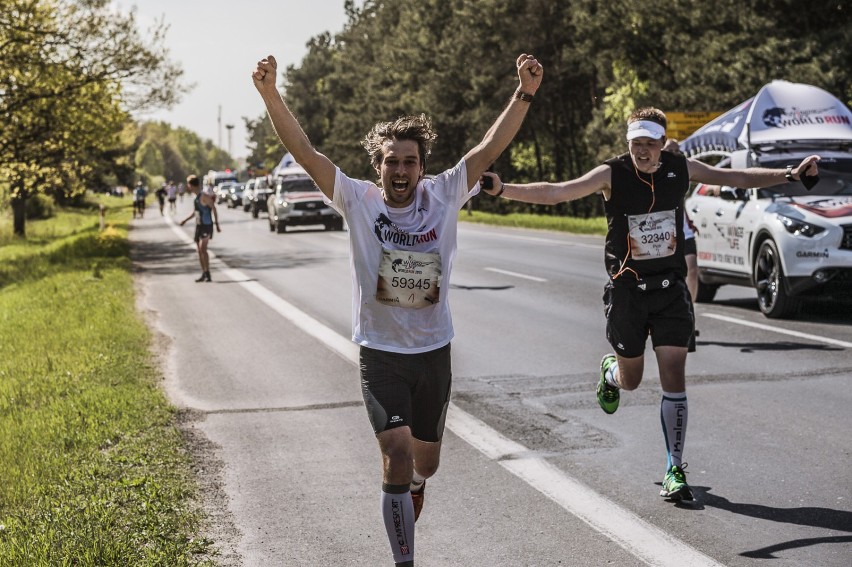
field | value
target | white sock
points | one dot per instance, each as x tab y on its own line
611	375
673	415
417	482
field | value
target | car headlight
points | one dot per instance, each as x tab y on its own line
798	227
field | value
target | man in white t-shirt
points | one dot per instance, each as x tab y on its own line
402	245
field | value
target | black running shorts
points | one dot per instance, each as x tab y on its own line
632	314
410	390
689	246
203	231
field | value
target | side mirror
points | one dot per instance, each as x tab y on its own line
733	194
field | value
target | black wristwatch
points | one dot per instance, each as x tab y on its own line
789	174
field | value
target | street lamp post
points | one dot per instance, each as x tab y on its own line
229	127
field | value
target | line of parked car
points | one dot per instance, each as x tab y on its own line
289	198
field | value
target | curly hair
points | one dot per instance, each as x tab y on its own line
650	114
417	128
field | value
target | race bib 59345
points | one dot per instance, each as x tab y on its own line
409	279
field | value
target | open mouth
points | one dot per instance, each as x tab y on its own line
399	185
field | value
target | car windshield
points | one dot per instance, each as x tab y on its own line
830	183
294	185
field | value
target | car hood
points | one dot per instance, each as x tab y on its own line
303	196
826	206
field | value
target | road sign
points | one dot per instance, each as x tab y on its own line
682	124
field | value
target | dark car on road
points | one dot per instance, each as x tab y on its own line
260	193
234	198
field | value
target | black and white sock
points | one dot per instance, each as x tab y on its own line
673	415
398	515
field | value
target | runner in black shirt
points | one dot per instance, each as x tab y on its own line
646	295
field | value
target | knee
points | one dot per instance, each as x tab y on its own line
426	470
397	457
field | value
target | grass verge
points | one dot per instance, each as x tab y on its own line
596	225
93	466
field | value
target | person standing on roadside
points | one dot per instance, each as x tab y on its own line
646	295
690	248
139	194
206	218
402	244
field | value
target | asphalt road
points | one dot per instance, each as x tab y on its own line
533	472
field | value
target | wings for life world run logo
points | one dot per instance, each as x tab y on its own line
387	231
778	117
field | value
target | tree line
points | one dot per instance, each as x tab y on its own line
68	93
454	60
72	73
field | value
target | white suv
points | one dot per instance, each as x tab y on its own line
784	241
297	201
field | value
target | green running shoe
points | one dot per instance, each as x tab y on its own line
674	484
608	396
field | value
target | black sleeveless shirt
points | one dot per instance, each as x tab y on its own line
631	200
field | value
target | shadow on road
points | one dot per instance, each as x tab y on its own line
825	518
774	346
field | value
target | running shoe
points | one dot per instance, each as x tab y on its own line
417	500
608	396
674	484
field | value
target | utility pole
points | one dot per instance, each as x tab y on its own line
229	127
220	125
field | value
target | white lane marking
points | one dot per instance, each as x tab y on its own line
644	540
516	274
640	538
790	332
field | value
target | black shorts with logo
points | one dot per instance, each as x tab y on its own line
407	390
664	313
203	231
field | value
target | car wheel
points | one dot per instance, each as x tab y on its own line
282	227
769	281
706	292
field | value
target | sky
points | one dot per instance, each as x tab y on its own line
218	43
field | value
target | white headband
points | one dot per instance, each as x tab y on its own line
645	129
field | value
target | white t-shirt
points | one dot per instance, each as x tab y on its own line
398	256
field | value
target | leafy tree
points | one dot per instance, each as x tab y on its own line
265	146
65	91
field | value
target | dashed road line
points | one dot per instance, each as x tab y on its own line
516	274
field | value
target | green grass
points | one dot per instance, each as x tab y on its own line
574	225
93	466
